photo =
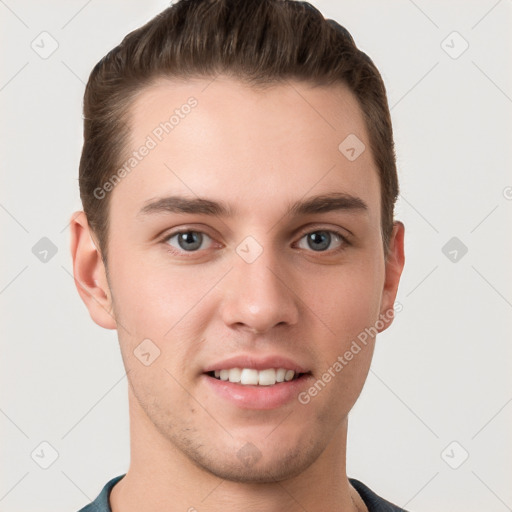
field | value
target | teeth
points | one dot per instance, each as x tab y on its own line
267	377
288	375
251	377
235	374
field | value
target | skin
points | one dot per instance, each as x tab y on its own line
258	151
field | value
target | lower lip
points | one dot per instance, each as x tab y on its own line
258	397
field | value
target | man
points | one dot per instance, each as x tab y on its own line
238	181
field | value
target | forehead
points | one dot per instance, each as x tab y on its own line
227	105
212	138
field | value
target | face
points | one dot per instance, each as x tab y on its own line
244	245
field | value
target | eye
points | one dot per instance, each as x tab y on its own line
321	240
188	241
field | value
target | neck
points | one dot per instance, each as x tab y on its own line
161	477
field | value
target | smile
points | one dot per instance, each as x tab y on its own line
253	377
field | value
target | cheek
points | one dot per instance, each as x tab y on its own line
347	300
348	305
156	296
165	304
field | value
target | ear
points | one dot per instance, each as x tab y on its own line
89	272
394	265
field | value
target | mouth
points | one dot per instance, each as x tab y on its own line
256	381
253	377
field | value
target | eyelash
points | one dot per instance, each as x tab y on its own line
172	250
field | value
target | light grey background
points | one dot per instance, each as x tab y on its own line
441	373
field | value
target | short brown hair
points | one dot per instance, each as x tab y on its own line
260	42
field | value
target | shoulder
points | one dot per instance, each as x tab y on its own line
373	502
101	503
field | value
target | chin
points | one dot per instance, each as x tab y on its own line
249	464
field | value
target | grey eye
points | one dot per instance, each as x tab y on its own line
320	240
188	240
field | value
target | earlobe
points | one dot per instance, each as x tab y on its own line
394	265
89	272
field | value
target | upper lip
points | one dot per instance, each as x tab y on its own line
256	363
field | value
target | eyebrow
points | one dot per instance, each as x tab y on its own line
313	205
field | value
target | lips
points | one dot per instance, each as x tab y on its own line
250	396
257	363
248	370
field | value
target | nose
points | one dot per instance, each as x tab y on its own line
258	296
